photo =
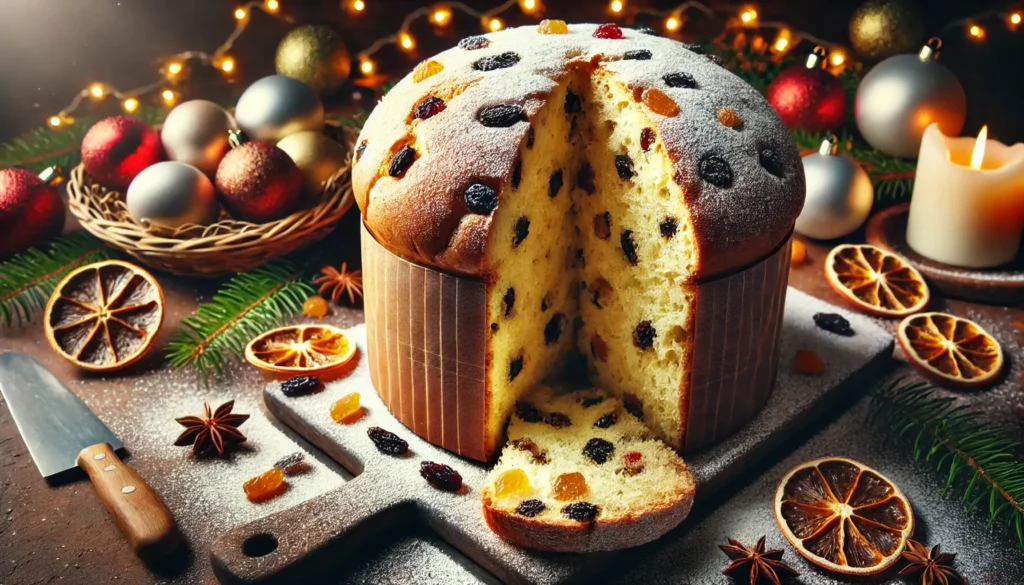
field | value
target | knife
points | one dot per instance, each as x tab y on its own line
62	433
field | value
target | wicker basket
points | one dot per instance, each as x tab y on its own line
224	247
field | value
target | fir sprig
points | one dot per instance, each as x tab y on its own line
27	280
245	306
892	177
978	458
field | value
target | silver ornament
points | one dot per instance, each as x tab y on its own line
902	95
172	194
316	155
196	133
277	106
839	194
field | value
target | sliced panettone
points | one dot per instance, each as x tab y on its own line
580	473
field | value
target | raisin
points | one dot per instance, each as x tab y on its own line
729	118
632	463
517	174
598	450
695	48
494	327
429	108
603	225
301	385
544	304
637	55
581	260
441	476
771	162
473	43
644	334
502	115
585	178
589	401
647	138
530	508
294	464
401	162
659	103
529	137
499	61
580	511
558	420
387	442
553	330
680	80
633	405
646	30
716	60
528	412
599	289
522	230
716	170
481	199
669	226
608	31
347	409
833	323
265	486
508	301
573	105
514	367
628	246
598	348
606	421
540	457
555	183
360	150
624	166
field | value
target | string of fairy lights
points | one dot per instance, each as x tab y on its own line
174	68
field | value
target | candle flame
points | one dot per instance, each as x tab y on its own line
979	149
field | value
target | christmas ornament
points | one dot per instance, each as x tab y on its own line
116	149
901	96
277	106
258	182
839	194
316	155
808	97
883	28
31	210
315	55
196	133
172	194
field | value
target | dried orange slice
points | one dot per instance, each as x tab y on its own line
877	281
301	350
950	350
843	516
104	316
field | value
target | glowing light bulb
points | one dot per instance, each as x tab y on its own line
1016	18
227	65
168	96
494	24
673	23
55	121
406	41
241	13
272	5
97	90
748	15
781	43
366	66
838	58
617	6
528	6
442	15
130	105
358	5
174	68
976	32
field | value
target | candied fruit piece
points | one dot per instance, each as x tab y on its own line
624	166
426	69
603	225
429	108
401	162
347	409
598	348
771	162
512	482
647	137
552	27
632	463
637	55
558	420
441	476
528	412
540	457
570	486
264	486
832	322
798	253
293	464
502	115
522	230
730	119
646	30
530	508
473	43
659	103
628	246
300	385
499	61
598	450
608	31
481	199
580	511
508	302
606	421
315	307
644	334
553	330
684	80
387	442
668	227
808	362
515	367
716	170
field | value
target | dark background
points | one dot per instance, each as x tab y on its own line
50	49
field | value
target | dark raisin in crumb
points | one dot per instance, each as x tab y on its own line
300	385
360	149
598	450
603	225
544	304
834	323
647	137
644	334
473	43
387	442
557	420
514	367
771	162
522	230
573	105
694	47
508	301
624	166
401	162
716	170
494	327
540	457
646	30
499	61
441	476
633	405
528	412
580	511
530	508
555	183
637	55
553	330
581	259
429	108
669	226
628	246
502	115
481	199
585	179
606	421
517	174
680	80
529	137
589	401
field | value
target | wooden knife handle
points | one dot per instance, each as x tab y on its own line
136	508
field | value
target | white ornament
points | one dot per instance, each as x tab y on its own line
839	194
277	106
196	133
172	194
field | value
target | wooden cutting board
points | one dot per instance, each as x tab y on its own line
321	533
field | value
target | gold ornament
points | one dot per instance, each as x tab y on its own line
883	28
316	155
315	55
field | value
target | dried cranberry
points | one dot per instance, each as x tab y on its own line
585	179
522	230
481	199
429	107
589	401
515	367
637	55
387	442
633	405
517	174
647	137
580	511
644	334
502	115
528	412
628	246
553	330
834	323
401	162
603	225
608	31
680	80
300	385
624	166
555	183
606	421
716	170
441	476
473	43
598	450
499	61
530	508
508	301
558	420
669	226
771	162
632	463
360	149
573	105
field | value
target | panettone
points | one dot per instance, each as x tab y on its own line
620	196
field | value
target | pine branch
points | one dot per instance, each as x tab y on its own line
892	177
976	457
245	306
27	280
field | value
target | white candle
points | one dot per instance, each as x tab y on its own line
968	203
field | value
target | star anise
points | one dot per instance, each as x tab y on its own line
933	566
756	564
338	282
217	429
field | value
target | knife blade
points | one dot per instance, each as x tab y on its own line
61	433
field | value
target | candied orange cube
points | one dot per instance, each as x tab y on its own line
729	118
426	69
511	482
553	27
659	103
264	486
315	307
347	409
570	486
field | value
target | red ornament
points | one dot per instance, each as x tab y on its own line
259	182
808	97
116	149
31	211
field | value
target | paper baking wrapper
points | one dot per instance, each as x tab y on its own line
426	340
